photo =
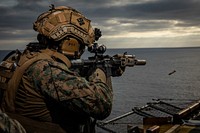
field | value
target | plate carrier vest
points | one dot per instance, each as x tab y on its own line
12	69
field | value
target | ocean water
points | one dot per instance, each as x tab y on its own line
140	84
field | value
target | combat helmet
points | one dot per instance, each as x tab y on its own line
67	26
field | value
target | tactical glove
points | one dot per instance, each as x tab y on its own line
117	71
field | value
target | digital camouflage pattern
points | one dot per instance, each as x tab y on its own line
8	125
55	80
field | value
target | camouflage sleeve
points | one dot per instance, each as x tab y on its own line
74	92
8	125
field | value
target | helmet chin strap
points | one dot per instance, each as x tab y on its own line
76	55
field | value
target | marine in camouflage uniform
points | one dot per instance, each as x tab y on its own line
70	99
50	96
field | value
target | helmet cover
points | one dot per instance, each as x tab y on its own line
62	21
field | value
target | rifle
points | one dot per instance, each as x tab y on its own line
113	65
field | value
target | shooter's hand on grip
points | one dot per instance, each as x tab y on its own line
117	70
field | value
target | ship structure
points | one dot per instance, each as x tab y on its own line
158	116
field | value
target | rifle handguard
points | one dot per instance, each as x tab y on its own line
127	60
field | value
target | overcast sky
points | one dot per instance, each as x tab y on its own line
124	23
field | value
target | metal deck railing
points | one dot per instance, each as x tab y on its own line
160	110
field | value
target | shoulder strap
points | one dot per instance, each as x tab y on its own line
25	61
57	56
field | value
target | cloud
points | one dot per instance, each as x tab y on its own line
139	21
